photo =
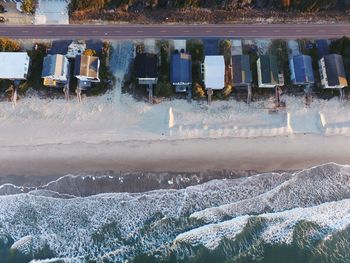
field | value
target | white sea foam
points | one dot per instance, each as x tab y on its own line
70	226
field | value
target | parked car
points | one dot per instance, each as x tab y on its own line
2	19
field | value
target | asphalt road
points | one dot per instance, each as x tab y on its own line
128	31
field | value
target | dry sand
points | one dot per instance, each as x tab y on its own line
259	154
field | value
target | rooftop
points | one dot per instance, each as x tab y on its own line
269	69
214	72
54	65
241	72
335	70
181	68
87	66
301	69
14	65
146	65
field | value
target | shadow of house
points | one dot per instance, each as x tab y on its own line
322	48
59	47
211	47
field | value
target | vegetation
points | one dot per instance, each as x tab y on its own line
9	45
28	6
199	91
301	5
89	52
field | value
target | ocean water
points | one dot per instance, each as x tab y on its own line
302	216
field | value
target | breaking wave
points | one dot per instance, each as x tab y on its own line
271	217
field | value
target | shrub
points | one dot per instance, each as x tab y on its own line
199	91
227	90
89	52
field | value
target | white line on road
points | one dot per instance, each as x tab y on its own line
71	31
139	31
298	30
48	31
162	31
94	31
276	31
25	31
186	31
232	31
208	31
117	31
253	31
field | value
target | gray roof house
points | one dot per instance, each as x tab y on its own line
241	72
55	70
267	71
332	72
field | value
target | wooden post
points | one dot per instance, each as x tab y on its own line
210	93
249	98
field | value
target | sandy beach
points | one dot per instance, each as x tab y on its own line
259	154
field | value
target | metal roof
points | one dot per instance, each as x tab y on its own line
181	68
53	65
214	72
14	65
301	69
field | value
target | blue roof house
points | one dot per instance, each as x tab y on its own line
301	70
181	71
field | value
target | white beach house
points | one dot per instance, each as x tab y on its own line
14	65
213	70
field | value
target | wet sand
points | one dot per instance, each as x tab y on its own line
253	154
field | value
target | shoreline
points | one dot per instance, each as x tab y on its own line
265	154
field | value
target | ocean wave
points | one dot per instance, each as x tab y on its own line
239	220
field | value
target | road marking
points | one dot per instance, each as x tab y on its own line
208	31
162	31
253	31
276	31
232	31
25	31
186	31
298	30
139	31
321	30
48	31
117	31
94	31
70	31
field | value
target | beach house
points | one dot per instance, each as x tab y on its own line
14	65
146	65
181	71
267	71
213	70
301	72
86	70
55	70
332	72
241	72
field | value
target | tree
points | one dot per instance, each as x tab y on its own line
199	91
89	52
9	45
28	6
